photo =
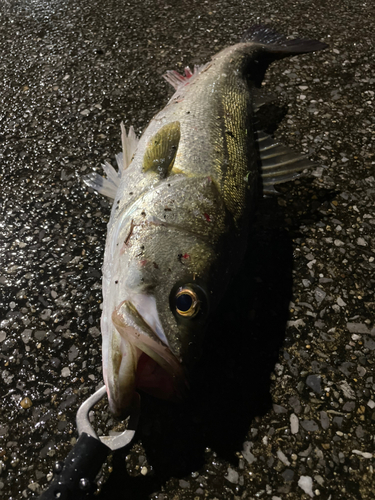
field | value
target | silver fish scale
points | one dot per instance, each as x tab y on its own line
204	198
215	116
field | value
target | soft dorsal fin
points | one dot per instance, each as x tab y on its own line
177	80
161	150
278	162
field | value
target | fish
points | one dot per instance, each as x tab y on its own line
183	199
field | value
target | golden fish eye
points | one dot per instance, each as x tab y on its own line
187	302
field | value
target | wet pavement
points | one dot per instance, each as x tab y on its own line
282	403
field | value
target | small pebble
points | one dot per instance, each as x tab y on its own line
349	406
35	488
357	328
319	295
314	382
94	332
369	343
232	476
364	454
184	484
347	390
294	423
65	372
361	242
279	409
26	336
26	403
288	475
309	425
305	483
282	457
246	453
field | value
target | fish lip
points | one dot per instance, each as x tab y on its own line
138	336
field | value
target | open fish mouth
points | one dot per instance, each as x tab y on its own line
142	359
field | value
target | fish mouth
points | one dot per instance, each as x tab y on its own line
142	361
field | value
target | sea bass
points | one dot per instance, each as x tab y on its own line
183	201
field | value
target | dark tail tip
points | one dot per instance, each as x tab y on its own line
278	44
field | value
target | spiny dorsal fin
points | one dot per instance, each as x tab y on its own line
108	186
105	186
129	145
161	150
278	162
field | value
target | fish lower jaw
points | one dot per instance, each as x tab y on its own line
146	366
149	377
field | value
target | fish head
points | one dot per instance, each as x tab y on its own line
154	323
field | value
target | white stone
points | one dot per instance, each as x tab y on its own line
232	476
282	457
246	453
364	454
305	483
339	243
26	336
347	390
65	372
361	242
294	423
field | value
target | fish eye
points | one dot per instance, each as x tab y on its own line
187	302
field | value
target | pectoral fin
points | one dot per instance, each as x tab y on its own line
161	150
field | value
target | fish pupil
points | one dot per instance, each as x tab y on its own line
184	302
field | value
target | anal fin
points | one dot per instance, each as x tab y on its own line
260	98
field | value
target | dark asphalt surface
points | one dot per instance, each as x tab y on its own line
283	403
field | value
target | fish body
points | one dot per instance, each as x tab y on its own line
182	208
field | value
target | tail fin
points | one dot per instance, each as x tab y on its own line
279	45
273	46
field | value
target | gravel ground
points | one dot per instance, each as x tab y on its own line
282	403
